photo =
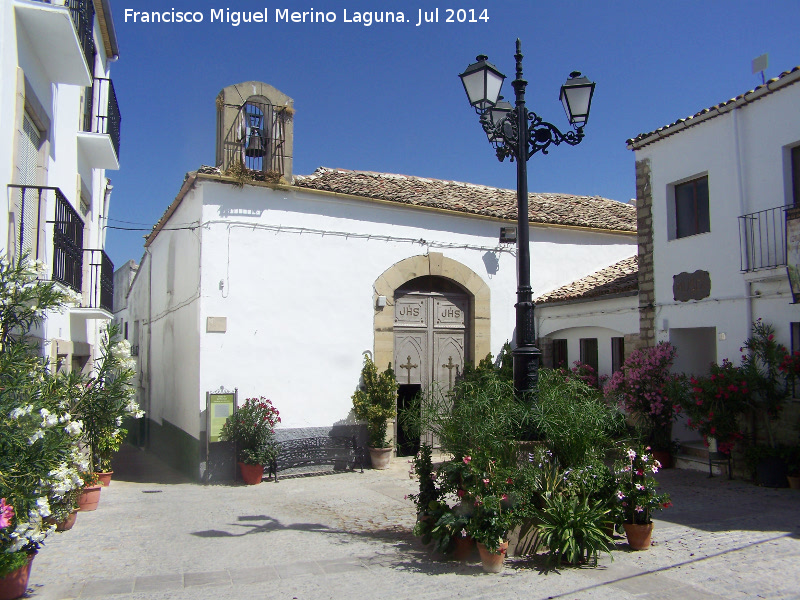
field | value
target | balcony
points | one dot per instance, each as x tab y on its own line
68	246
61	33
100	294
762	239
26	218
100	135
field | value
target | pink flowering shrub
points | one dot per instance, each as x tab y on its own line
648	392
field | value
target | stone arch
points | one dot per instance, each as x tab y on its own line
436	264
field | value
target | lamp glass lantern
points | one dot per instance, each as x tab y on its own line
576	96
497	113
482	82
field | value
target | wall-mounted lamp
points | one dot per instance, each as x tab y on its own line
508	235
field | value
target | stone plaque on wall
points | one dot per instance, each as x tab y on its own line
691	286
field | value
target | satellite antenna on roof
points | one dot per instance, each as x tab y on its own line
760	64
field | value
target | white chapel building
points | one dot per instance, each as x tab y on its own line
274	284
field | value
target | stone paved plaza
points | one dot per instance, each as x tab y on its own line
348	535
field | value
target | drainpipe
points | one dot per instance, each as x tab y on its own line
149	345
748	296
104	216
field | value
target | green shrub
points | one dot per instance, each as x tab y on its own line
574	421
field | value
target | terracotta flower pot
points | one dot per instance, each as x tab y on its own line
251	474
464	546
15	584
638	535
664	457
105	478
492	562
67	523
380	457
794	481
89	498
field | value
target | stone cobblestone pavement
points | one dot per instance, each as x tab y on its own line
348	535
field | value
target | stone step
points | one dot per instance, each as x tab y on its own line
696	463
696	448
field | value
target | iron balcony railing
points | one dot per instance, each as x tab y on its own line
101	280
26	217
101	111
762	239
67	245
82	13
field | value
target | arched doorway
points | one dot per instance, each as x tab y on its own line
432	316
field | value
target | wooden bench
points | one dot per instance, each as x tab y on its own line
339	451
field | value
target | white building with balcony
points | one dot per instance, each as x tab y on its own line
59	134
715	193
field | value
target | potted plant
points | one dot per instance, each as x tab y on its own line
770	369
649	393
793	467
488	486
105	400
252	429
636	493
376	402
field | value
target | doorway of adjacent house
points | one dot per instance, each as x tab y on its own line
431	323
696	349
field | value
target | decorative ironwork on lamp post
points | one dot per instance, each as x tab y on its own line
517	133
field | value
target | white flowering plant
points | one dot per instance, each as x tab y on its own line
39	436
106	399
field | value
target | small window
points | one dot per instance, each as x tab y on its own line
589	352
617	353
560	354
691	208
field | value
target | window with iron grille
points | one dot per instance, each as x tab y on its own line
560	354
617	353
589	355
68	245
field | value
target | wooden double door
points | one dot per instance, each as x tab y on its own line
430	334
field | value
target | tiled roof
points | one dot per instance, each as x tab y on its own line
619	278
557	209
782	80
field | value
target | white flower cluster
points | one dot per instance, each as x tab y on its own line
65	479
132	409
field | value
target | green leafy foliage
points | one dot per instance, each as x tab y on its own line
573	419
252	428
573	529
376	401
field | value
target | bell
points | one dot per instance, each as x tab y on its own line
255	143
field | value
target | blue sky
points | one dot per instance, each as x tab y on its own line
387	97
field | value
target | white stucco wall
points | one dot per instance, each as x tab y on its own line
745	155
172	308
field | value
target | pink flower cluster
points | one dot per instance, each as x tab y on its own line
641	385
6	514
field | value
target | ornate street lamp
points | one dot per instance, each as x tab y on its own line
519	134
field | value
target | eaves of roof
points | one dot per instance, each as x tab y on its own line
784	79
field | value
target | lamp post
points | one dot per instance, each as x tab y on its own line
518	134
